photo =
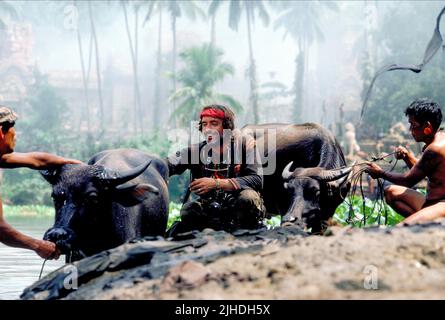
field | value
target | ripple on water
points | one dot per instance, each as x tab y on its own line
20	268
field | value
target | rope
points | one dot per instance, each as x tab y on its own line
356	180
41	270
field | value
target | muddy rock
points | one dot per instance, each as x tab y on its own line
283	263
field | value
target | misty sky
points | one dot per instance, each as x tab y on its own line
333	76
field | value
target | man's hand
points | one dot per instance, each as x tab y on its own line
47	250
202	186
401	153
374	170
72	161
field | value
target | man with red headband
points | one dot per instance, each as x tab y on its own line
225	175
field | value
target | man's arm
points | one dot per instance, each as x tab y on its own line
249	177
203	185
251	173
421	169
251	181
11	237
34	160
409	158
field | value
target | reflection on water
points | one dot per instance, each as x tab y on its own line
19	268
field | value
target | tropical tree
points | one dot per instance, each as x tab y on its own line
203	69
7	11
91	16
251	9
85	73
300	20
157	6
133	42
273	95
175	9
394	91
211	13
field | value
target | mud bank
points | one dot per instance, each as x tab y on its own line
284	263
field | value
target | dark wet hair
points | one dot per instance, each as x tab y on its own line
229	119
7	125
423	110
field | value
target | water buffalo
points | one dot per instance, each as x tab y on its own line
119	195
310	179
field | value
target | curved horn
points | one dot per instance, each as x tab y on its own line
51	175
327	175
114	178
286	171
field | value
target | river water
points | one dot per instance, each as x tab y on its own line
19	268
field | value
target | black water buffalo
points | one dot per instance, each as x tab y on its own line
310	178
120	195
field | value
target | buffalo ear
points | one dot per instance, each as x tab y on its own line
51	175
132	195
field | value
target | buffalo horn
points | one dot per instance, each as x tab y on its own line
333	174
114	178
287	174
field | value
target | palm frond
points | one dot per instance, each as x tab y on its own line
231	101
214	7
174	8
192	10
234	14
262	13
9	9
182	93
151	8
186	111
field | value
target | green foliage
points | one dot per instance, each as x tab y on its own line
175	208
273	222
358	213
173	215
41	127
394	91
42	119
157	144
24	186
301	20
34	211
202	70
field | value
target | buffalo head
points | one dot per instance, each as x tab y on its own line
310	190
83	197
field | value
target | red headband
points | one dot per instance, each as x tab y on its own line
214	113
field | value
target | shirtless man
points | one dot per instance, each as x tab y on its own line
34	160
424	117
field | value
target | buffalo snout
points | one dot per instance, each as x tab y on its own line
62	237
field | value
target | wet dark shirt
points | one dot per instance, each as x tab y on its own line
241	165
